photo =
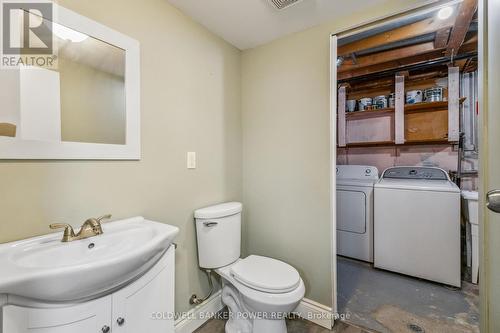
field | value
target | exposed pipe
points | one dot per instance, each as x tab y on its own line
398	44
424	65
194	299
462	149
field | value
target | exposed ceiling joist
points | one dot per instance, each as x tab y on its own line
381	57
404	62
442	37
416	29
463	21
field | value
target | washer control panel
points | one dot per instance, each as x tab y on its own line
416	173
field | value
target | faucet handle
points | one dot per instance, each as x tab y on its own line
104	217
68	230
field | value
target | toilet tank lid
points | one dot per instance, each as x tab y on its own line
217	211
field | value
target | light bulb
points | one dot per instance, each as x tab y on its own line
445	13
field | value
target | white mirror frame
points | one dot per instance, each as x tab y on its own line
12	148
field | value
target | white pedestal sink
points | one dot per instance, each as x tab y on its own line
48	270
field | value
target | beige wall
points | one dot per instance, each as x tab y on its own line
190	101
285	105
92	104
11	98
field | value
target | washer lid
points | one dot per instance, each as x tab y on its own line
266	274
418	185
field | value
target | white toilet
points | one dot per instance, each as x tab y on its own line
258	291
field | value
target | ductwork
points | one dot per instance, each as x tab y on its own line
282	4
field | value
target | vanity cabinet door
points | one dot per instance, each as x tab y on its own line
147	305
89	317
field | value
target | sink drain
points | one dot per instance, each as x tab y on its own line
91	245
415	328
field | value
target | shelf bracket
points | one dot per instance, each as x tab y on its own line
399	115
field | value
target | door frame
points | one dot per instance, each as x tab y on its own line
489	20
370	24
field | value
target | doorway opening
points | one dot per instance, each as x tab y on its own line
407	151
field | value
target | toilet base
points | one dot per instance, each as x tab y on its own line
255	326
242	320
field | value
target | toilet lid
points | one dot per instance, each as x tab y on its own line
266	274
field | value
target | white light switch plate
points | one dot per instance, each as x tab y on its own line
191	160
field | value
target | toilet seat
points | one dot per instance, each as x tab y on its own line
266	274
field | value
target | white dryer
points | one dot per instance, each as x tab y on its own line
417	224
355	211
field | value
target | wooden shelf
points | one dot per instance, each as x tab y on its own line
369	114
429	106
423	107
429	142
427	123
409	108
370	144
392	143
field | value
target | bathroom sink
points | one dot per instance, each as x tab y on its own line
46	269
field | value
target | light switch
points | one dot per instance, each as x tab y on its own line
191	160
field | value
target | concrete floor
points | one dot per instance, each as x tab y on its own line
388	302
294	326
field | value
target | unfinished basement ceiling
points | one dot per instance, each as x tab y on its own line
420	42
249	23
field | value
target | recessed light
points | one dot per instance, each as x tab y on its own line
445	13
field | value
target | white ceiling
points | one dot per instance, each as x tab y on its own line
249	23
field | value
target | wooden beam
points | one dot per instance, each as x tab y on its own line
387	81
462	24
453	104
399	119
416	29
442	37
381	57
341	117
395	64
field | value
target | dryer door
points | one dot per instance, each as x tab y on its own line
351	211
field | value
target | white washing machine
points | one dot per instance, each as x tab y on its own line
355	211
417	224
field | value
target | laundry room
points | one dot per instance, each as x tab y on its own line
407	171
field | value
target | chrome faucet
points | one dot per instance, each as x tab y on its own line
90	228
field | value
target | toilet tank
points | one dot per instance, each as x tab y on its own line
218	233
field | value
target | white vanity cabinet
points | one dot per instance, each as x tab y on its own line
145	305
148	304
93	316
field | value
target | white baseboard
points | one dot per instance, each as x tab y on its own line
200	314
316	313
307	309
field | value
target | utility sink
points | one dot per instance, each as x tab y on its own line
46	269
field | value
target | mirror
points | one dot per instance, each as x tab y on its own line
83	100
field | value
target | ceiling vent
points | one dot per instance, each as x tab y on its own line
282	4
